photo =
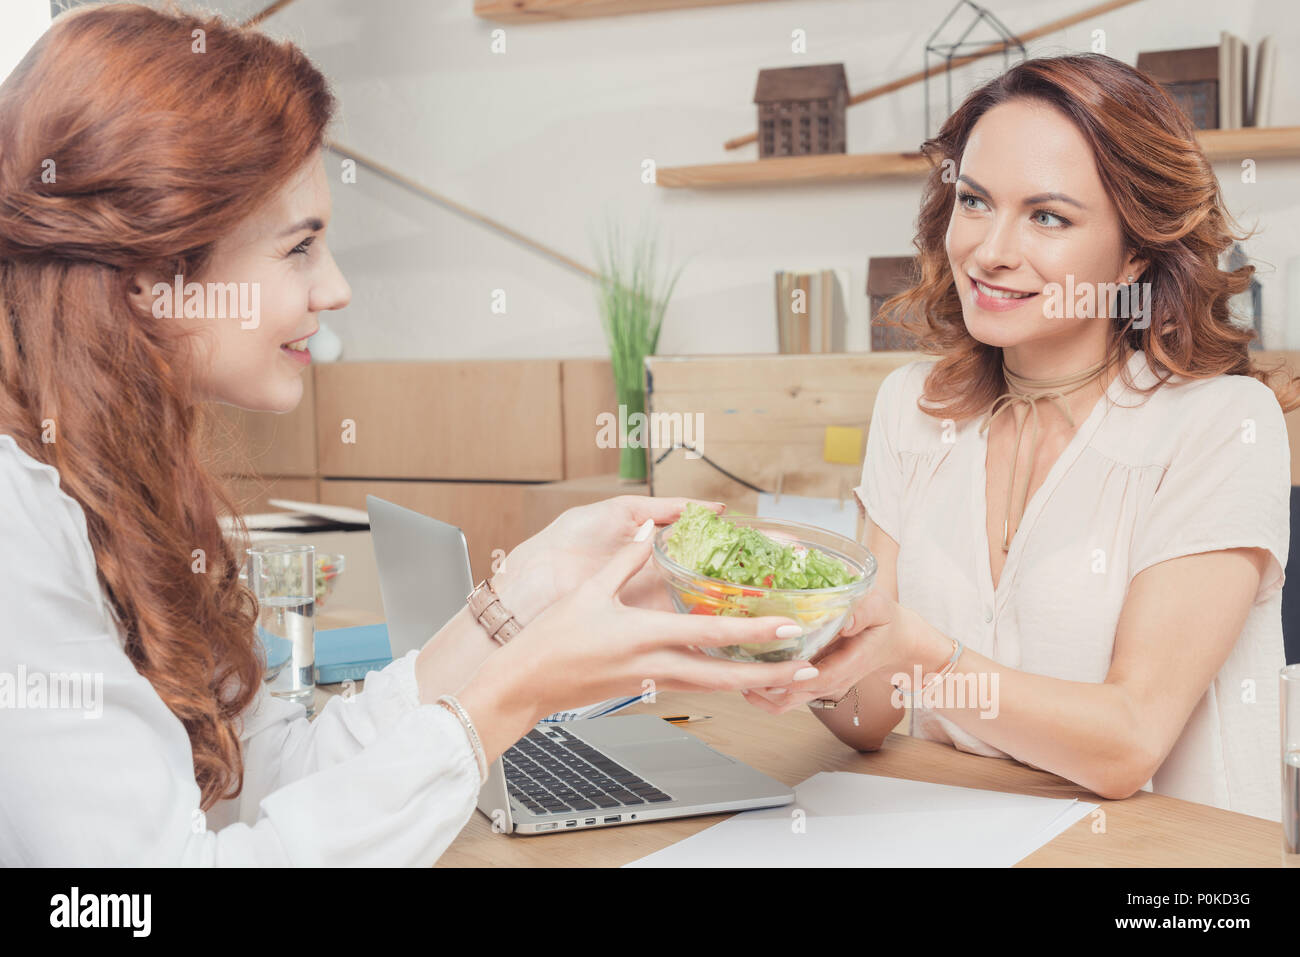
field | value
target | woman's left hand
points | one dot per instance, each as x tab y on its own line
879	636
577	545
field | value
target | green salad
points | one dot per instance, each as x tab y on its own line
709	545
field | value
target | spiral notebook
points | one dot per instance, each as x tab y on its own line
598	710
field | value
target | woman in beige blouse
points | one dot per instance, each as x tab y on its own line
1104	591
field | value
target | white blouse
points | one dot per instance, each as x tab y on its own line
107	778
1201	465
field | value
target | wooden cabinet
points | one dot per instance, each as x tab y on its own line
265	443
492	515
253	494
485	445
480	420
499	448
586	391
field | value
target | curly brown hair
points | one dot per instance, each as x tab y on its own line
159	150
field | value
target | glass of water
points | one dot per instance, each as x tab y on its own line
1289	699
283	577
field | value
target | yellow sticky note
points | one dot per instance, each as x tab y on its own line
843	445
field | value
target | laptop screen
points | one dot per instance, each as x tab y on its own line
424	573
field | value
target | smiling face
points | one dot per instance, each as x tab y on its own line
282	267
1031	210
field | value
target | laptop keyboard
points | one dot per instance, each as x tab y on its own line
551	775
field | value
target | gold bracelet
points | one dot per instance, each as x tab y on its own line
957	648
450	703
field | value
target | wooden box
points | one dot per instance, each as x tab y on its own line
765	420
887	276
1191	78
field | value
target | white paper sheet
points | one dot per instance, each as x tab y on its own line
828	513
1077	810
865	820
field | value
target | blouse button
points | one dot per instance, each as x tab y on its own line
988	614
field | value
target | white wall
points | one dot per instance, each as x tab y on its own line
21	22
549	137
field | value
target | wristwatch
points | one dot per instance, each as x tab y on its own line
497	621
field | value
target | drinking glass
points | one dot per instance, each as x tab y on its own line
283	577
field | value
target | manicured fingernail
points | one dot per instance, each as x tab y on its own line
776	690
848	625
789	631
803	674
644	531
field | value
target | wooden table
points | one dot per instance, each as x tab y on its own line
1145	830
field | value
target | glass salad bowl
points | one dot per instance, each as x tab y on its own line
328	569
820	611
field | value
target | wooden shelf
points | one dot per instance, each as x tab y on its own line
793	170
542	11
1251	142
1276	142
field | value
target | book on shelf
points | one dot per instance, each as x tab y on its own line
1261	102
811	314
1238	70
1213	84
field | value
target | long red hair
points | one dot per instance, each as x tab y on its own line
128	148
1170	209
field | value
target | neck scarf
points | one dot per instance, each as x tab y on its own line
1028	391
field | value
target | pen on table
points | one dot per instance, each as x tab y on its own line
683	718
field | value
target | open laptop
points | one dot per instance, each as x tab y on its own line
570	775
424	574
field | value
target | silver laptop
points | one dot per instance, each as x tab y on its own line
423	569
562	776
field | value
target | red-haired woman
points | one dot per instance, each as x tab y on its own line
1102	598
131	158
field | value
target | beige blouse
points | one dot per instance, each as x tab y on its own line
1200	465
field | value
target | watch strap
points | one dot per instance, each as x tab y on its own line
485	605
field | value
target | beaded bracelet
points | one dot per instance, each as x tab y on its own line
461	715
956	653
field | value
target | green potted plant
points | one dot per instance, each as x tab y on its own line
632	307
